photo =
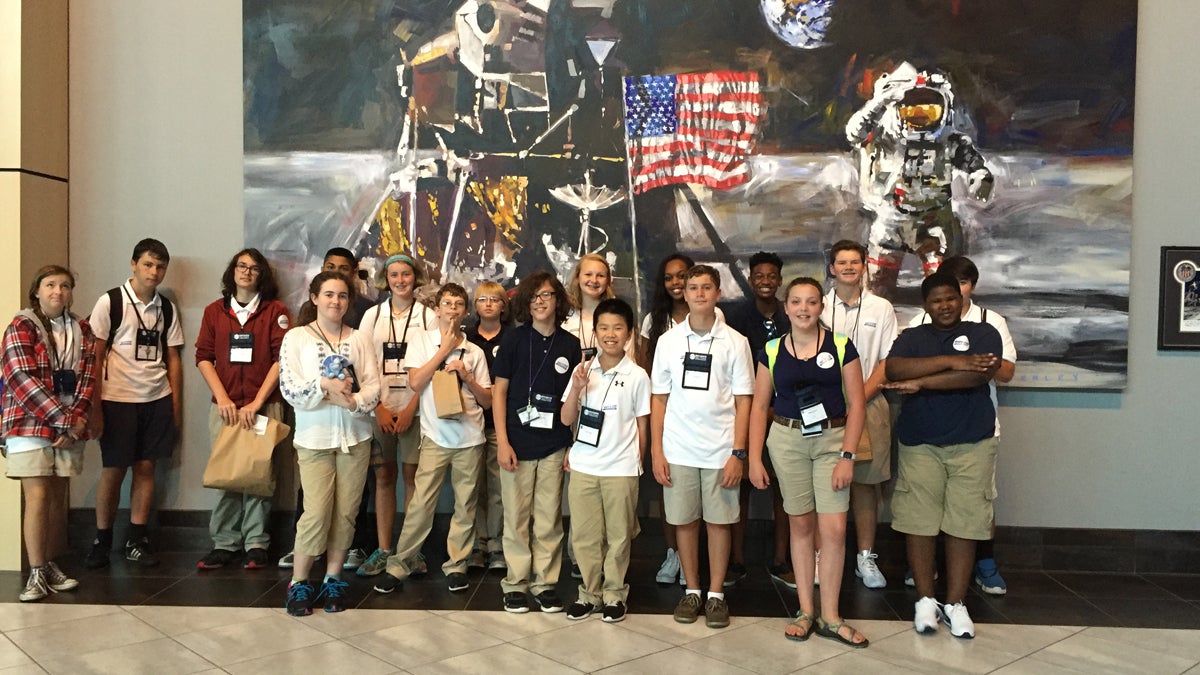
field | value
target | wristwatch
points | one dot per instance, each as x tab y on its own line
740	454
848	455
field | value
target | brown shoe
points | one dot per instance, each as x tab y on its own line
716	613
688	609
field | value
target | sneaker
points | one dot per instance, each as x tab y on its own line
868	571
355	557
97	557
576	573
987	575
613	612
457	581
817	569
375	563
288	560
549	601
908	578
417	567
959	620
477	560
783	573
927	615
140	552
387	583
580	610
716	613
689	608
334	592
56	580
516	602
35	587
496	561
256	559
669	570
300	599
216	559
735	573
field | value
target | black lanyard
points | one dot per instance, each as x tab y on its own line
234	317
549	348
324	339
141	323
796	354
710	337
857	315
57	360
407	320
606	390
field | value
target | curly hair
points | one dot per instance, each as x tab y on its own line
267	288
529	287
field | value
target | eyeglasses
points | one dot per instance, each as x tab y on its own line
453	304
252	269
544	296
488	300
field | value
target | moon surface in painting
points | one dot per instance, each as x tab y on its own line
800	23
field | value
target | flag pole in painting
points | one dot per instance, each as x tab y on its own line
691	128
633	243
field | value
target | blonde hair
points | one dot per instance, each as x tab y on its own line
575	293
492	288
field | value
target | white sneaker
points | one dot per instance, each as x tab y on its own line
35	586
959	620
56	580
817	569
669	570
868	571
928	614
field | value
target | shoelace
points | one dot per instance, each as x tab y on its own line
52	574
869	562
38	579
300	592
333	589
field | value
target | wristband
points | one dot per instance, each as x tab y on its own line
740	454
848	455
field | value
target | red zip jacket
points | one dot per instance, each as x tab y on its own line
30	407
242	380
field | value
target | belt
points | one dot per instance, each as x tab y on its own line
831	423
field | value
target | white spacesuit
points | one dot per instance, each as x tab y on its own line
909	148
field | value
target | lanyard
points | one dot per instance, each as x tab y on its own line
247	308
711	339
796	354
549	348
407	320
324	339
59	361
139	314
606	390
857	315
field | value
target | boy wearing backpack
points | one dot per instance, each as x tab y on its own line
140	386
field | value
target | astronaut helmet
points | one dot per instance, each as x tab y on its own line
927	105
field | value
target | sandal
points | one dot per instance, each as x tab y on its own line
798	622
833	632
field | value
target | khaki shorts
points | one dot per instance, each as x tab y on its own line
878	427
404	448
47	461
697	493
946	488
804	470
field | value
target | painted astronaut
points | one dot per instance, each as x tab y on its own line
909	148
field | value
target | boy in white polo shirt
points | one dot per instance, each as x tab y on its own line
701	384
608	400
453	443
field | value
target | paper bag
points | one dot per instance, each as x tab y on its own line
447	394
241	458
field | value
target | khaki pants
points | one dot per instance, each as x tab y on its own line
489	511
240	520
436	461
533	531
603	525
332	481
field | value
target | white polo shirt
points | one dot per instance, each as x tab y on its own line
129	380
870	324
464	430
623	394
378	321
698	427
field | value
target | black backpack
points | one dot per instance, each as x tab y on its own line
116	313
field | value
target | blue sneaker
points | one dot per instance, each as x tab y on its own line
987	575
334	592
300	599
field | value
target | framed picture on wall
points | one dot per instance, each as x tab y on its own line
1179	298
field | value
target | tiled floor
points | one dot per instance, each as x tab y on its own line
173	618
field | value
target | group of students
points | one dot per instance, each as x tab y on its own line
550	383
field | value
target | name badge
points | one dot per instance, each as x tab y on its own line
393	357
398	380
241	347
588	353
697	368
590	423
146	345
64	383
533	418
812	410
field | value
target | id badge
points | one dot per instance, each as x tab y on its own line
813	414
241	347
590	423
393	358
810	431
64	382
527	415
398	380
146	345
589	353
544	406
697	368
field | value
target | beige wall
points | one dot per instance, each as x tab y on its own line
156	150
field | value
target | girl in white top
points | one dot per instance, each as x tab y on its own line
328	373
590	283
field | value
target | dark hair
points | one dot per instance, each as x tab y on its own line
847	245
661	303
340	252
705	270
267	289
962	268
152	246
34	304
308	311
615	306
529	287
938	279
765	258
452	289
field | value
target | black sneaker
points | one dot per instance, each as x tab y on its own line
256	559
613	611
300	599
580	610
140	552
387	583
516	602
549	601
334	592
457	581
216	559
735	573
97	557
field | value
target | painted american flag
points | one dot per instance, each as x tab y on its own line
693	128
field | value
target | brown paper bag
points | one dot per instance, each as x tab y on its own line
241	459
447	394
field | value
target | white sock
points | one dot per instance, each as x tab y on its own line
719	596
692	591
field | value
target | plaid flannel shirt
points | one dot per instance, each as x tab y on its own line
30	407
